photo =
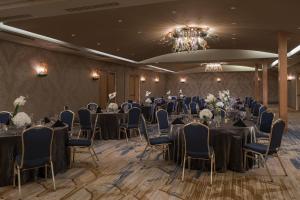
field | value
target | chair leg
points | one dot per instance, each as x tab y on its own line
79	133
93	157
95	153
168	149
140	134
267	168
142	155
281	164
211	170
245	159
183	167
14	176
19	182
52	173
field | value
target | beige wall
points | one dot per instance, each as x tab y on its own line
68	81
293	87
240	84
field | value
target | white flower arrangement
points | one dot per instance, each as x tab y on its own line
169	92
181	95
225	97
205	114
220	104
210	99
169	97
147	94
148	100
111	96
180	91
21	119
20	101
112	107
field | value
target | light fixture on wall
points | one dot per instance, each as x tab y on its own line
182	80
156	79
143	79
290	77
41	70
95	75
218	80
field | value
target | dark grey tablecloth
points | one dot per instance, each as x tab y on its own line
227	142
10	143
109	124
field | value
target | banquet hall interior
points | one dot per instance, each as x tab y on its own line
149	99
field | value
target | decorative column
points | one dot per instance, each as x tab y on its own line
265	84
282	71
256	84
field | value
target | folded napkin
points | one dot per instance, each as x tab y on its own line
46	120
239	123
178	121
58	123
98	110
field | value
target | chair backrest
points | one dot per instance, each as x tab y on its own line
185	109
67	117
170	107
134	116
36	146
85	119
5	117
266	121
276	135
196	138
92	107
193	106
126	106
201	104
187	101
256	109
143	129
195	99
252	106
162	119
136	105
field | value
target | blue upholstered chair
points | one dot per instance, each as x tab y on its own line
126	106
36	152
196	146
85	121
193	107
170	107
84	145
195	99
5	117
136	105
265	125
262	109
133	120
67	117
256	109
185	109
161	143
187	101
201	104
92	107
163	121
266	150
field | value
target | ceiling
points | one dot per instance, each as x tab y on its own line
133	28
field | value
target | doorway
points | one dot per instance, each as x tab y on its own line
134	88
107	86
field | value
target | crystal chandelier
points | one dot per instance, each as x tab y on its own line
188	38
213	67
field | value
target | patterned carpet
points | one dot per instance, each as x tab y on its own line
121	175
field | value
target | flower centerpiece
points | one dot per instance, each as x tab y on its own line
224	96
20	101
205	115
148	99
112	107
211	101
181	94
21	119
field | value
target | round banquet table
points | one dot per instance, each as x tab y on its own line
227	142
10	143
109	124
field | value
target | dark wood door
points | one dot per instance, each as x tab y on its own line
134	88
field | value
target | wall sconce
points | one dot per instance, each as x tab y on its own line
143	79
156	80
218	80
95	75
41	70
290	77
182	80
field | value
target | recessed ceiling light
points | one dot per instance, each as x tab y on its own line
298	28
139	32
233	23
174	12
233	38
233	34
120	20
232	8
73	35
98	43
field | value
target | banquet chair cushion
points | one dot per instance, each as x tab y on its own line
129	126
260	148
203	155
160	140
261	134
79	142
33	162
